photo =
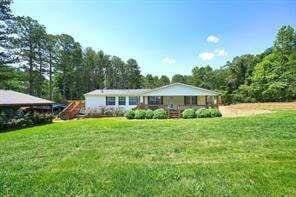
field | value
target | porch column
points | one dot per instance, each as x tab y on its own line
146	100
141	99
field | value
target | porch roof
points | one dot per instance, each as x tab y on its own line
179	89
12	98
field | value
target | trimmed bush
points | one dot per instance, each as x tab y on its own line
140	114
160	114
208	113
188	113
21	121
201	113
215	112
149	114
130	114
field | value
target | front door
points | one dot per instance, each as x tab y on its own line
172	105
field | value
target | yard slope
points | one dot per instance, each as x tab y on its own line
226	156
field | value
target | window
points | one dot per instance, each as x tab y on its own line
190	100
110	100
154	100
121	100
133	100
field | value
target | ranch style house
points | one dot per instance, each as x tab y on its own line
173	97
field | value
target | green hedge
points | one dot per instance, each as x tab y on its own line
146	114
140	114
208	113
22	121
130	114
149	114
188	113
160	114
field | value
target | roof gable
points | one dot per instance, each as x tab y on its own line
180	89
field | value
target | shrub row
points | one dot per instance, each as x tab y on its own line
104	111
22	121
146	114
201	113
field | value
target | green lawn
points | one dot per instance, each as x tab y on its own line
226	156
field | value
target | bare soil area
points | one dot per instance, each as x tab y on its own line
249	109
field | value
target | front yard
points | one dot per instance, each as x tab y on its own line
222	156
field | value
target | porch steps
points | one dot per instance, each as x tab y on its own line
71	111
173	113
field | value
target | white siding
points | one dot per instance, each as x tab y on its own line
92	101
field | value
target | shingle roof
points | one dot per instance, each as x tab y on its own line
9	97
117	92
149	92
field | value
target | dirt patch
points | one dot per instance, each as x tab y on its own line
249	109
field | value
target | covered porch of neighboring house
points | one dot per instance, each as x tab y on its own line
176	104
14	103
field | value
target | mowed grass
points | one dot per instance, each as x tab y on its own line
226	156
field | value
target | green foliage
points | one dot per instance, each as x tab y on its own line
160	114
202	113
149	114
215	112
20	121
188	113
130	114
150	81
6	34
208	113
140	114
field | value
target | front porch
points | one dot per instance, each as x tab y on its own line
174	105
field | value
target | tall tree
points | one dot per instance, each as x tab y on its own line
102	62
240	69
285	43
9	76
178	78
69	68
274	78
6	32
51	51
164	80
149	81
133	74
203	76
28	35
89	69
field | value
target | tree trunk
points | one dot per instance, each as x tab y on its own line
50	77
30	71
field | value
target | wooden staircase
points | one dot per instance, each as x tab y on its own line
71	111
174	113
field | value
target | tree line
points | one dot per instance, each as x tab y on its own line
269	76
56	67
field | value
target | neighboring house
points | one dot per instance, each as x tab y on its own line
10	98
176	96
11	101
